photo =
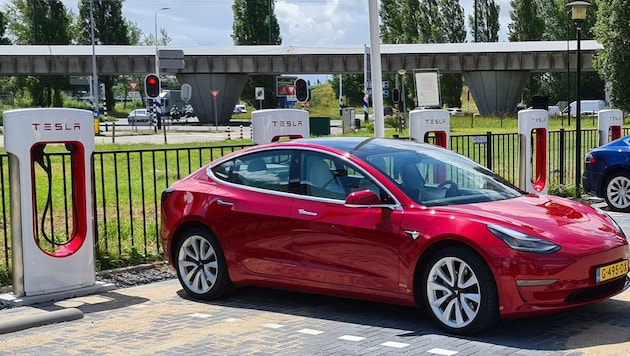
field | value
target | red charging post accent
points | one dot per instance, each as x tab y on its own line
539	180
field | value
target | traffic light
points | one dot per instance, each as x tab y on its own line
396	95
301	90
152	86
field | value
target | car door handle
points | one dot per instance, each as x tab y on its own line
223	202
306	212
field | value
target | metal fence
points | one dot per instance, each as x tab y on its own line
127	186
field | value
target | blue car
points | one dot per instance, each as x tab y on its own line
607	173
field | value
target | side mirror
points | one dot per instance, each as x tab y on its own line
362	198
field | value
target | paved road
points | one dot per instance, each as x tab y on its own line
158	319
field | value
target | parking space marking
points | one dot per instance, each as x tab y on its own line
200	315
310	332
231	320
398	345
351	338
273	326
442	352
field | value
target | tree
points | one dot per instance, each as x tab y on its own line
612	30
40	22
3	26
484	22
250	28
110	28
526	25
352	88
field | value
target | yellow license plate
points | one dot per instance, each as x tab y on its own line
605	273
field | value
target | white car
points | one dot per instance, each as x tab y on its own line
238	109
139	116
455	111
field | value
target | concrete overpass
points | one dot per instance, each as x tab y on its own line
495	72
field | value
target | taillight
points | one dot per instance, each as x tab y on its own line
589	159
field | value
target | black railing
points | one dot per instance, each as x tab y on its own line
127	185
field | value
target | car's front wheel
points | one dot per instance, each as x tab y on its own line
200	265
460	291
617	192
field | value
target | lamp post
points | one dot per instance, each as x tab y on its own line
94	84
402	73
157	54
578	15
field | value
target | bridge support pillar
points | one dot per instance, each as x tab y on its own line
229	86
496	92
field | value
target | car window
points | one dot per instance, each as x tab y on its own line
266	170
325	176
439	178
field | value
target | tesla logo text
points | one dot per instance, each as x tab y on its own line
539	119
56	126
435	121
286	123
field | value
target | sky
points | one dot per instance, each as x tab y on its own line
302	22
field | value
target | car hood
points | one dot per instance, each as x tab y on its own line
560	220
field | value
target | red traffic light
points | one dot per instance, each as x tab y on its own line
301	90
152	86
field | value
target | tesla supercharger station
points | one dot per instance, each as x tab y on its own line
270	125
423	123
52	241
533	134
609	123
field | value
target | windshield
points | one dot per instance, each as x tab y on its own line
432	176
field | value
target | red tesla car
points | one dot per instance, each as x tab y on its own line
388	220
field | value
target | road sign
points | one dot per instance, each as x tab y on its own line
134	86
260	93
215	93
284	84
186	93
172	64
171	53
171	58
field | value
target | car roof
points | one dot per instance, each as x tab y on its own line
355	145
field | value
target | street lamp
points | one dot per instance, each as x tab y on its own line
94	84
157	55
402	73
578	15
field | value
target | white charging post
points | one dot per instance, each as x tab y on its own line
270	125
426	122
533	134
609	125
52	243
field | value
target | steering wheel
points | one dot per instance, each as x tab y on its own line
452	188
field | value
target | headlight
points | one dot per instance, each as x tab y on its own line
522	242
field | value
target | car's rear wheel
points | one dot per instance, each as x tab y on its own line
459	291
201	266
617	192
